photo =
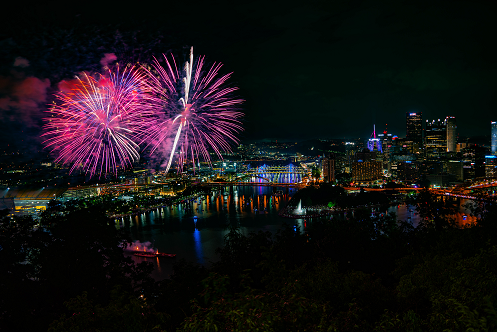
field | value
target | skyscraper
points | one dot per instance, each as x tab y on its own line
451	133
436	138
374	143
493	125
414	127
329	168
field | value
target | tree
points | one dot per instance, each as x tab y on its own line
43	265
252	310
124	312
435	211
316	172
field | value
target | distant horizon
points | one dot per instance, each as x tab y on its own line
287	140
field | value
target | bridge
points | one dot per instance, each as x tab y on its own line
288	174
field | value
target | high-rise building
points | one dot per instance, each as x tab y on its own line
386	142
366	168
414	127
350	150
329	168
494	137
490	167
455	167
451	133
374	143
436	138
366	171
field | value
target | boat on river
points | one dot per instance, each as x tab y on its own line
145	254
148	254
162	254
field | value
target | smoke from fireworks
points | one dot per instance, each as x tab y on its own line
196	109
98	121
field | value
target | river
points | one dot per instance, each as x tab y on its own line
194	230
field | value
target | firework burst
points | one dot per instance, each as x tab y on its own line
98	121
196	111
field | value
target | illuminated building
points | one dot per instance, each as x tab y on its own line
329	168
473	158
461	146
451	133
350	150
490	166
405	170
366	171
374	143
494	137
436	138
386	142
28	201
414	128
366	168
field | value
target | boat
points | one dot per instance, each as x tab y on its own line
162	254
145	254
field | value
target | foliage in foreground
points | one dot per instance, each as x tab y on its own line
361	274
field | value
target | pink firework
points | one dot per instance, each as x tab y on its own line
196	111
98	121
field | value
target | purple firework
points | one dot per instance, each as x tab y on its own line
98	121
196	110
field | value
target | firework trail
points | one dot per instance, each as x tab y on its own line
98	121
196	107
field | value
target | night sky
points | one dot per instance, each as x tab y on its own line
319	69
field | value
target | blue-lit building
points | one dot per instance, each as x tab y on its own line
493	127
374	143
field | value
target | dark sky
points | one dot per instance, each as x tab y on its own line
317	69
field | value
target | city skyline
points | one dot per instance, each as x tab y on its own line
248	165
316	70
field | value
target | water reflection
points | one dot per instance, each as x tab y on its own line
194	229
198	246
406	212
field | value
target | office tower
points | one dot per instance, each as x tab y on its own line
493	125
366	168
414	128
329	168
374	142
350	150
386	143
366	171
436	138
451	133
490	167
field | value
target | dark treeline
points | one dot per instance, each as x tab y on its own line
68	273
327	193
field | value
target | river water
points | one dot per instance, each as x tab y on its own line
195	229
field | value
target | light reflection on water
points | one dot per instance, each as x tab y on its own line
194	230
408	213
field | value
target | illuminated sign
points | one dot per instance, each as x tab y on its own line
490	157
411	114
